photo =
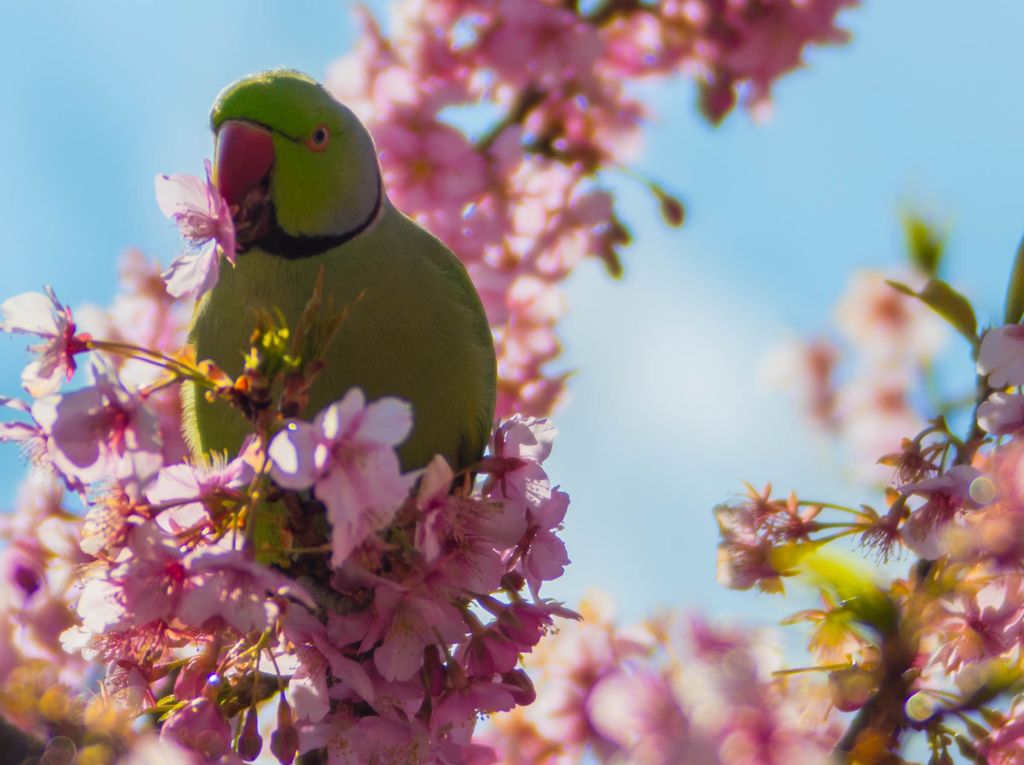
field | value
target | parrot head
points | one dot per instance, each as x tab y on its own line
298	168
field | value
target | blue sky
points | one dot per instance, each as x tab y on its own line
665	417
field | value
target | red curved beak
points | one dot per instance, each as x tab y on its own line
245	153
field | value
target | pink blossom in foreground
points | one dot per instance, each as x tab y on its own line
144	315
347	454
1005	744
148	585
29	435
230	589
1001	356
42	315
546	557
102	432
188	490
205	221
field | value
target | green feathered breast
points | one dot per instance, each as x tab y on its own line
418	332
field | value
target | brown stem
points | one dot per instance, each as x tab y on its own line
884	712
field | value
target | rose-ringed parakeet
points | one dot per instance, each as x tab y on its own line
301	175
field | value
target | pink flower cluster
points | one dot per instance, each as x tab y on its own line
523	203
384	621
671	690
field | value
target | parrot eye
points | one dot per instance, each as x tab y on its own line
317	141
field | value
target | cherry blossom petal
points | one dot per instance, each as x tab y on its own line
291	455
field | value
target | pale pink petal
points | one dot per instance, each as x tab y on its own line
1001	356
386	421
291	455
436	479
31	313
339	417
1002	414
180	193
193	272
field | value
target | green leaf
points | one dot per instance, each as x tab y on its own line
1015	289
948	303
851	584
925	243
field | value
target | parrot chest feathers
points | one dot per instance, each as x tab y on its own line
416	330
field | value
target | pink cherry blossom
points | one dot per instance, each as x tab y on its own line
875	415
961	486
309	661
406	623
205	221
42	315
187	490
102	432
545	557
348	455
227	587
144	315
1005	744
429	166
1001	356
539	44
524	624
640	713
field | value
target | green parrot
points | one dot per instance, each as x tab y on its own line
301	175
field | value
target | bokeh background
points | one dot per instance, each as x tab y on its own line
666	415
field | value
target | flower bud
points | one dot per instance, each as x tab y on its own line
850	688
526	694
284	741
250	743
